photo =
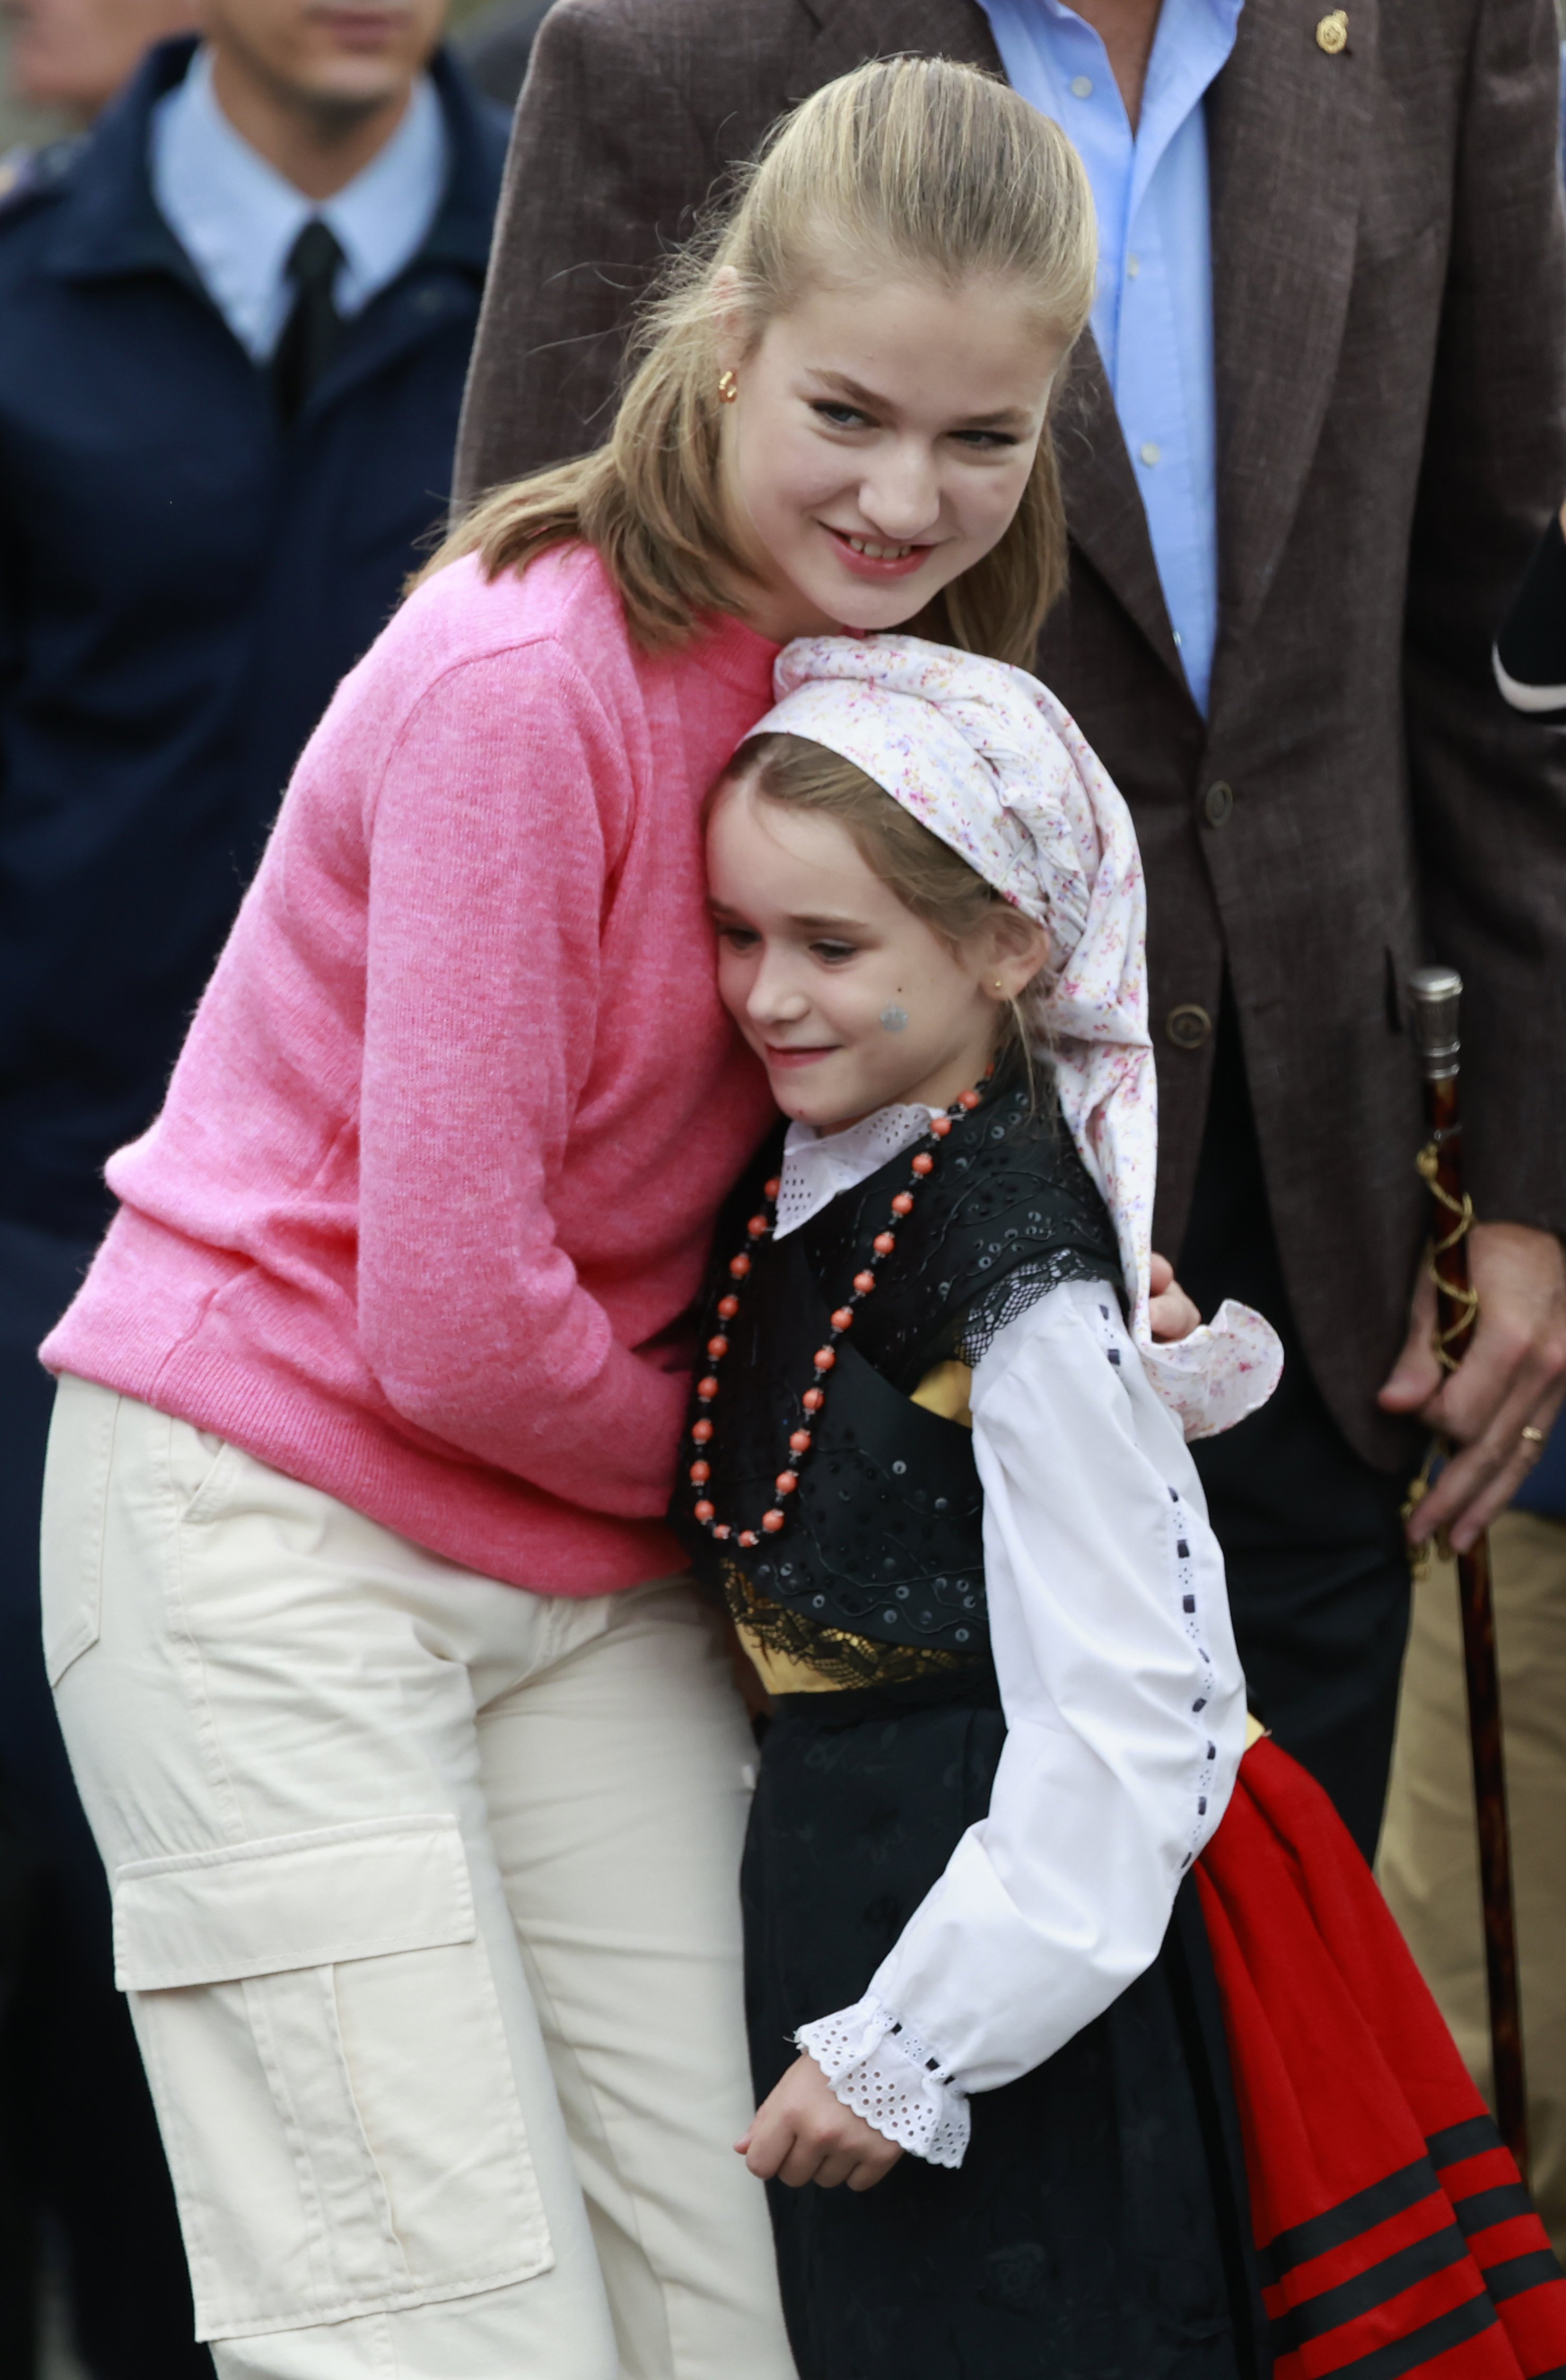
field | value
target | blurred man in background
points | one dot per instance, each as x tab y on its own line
73	55
237	321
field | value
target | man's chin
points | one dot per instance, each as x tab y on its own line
342	97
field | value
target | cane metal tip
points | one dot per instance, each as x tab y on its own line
1435	994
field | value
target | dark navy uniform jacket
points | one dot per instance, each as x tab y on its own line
183	581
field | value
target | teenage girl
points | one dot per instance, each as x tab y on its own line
939	1469
419	1775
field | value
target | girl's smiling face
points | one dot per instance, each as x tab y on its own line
878	444
815	951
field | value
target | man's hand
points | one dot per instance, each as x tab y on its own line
1170	1313
802	2133
1513	1375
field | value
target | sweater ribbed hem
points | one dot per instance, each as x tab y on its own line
468	1513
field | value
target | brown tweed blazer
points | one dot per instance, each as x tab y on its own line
1390	309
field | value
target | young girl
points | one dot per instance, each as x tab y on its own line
417	1769
936	1465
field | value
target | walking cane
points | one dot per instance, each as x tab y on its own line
1436	993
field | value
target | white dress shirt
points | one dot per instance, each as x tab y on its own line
238	218
1152	319
1123	1696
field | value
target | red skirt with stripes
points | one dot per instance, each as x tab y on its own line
1394	2235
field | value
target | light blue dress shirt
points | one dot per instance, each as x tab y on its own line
1153	317
237	217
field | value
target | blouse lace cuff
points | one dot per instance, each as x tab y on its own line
885	2073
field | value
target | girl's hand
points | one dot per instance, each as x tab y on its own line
1170	1313
802	2133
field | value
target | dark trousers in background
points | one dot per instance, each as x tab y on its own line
79	2146
1318	1579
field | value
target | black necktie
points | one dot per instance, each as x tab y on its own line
310	334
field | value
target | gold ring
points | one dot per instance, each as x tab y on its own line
1532	1437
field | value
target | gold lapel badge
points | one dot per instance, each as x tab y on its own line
1332	33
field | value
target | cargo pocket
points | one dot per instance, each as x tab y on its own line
325	2044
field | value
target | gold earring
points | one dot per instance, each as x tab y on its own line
1000	987
728	388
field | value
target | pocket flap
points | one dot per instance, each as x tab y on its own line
314	1899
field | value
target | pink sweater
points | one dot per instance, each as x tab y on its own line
441	1158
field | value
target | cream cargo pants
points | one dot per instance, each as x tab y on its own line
426	1902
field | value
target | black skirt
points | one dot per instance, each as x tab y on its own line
1093	2231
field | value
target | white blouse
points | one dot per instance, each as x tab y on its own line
1122	1692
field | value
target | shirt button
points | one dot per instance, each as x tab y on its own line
1133	267
1218	804
1082	86
1148	451
1189	1026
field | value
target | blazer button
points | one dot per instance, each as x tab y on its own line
1189	1026
1218	804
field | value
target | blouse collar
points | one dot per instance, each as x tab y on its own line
818	1167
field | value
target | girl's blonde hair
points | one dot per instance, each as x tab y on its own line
925	874
907	165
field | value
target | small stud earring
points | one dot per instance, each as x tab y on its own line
728	388
1000	987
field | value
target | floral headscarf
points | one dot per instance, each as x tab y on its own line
987	759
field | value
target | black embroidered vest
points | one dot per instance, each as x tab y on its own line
884	1536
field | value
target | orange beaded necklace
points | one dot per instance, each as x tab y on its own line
801	1438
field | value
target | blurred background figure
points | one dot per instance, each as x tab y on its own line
73	55
237	318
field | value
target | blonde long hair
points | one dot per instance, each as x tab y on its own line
906	164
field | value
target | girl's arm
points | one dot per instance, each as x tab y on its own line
492	845
1125	1715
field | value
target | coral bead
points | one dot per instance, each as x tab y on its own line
769	1189
786	1482
800	1441
707	1390
704	1513
970	1099
941	1126
863	1283
902	1205
727	1308
723	1530
747	1537
773	1522
842	1319
812	1401
758	1227
739	1267
825	1359
701	1430
719	1347
701	1472
883	1242
923	1162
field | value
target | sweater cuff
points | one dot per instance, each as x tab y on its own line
885	2074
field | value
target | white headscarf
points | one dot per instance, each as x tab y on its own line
987	759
